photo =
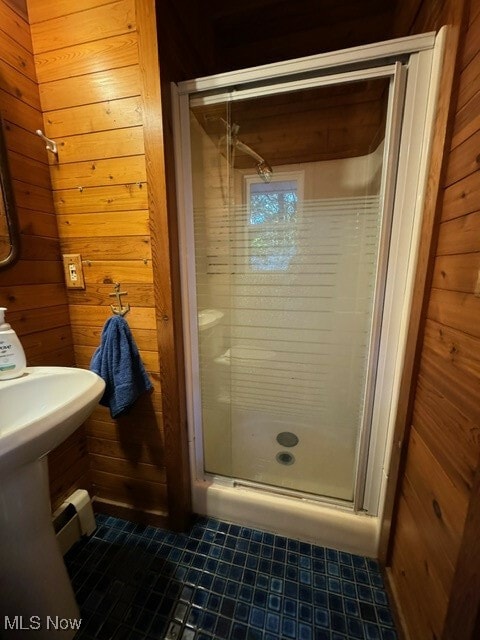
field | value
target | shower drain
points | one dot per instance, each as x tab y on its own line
287	439
285	458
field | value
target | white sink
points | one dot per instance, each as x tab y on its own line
38	411
208	318
41	409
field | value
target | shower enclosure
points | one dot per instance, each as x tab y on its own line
300	189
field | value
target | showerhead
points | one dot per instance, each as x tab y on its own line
265	171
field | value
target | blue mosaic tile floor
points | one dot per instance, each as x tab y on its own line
222	581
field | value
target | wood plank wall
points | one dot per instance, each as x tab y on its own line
33	289
439	486
185	41
91	93
256	32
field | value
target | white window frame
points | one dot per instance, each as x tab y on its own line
277	176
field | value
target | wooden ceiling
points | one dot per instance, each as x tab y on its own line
307	126
252	32
325	123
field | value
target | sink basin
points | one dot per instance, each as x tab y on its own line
41	409
208	318
37	412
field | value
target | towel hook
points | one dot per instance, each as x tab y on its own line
120	310
51	144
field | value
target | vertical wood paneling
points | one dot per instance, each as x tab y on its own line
463	616
422	21
94	102
33	289
413	571
165	260
436	524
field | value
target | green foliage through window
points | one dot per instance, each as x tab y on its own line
273	216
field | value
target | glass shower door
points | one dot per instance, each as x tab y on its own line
290	231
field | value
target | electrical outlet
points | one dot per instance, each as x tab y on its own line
72	266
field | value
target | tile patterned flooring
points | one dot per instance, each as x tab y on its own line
222	581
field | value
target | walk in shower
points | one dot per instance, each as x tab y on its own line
300	192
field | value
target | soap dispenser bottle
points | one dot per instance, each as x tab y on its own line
12	355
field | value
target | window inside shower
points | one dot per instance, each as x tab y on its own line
271	216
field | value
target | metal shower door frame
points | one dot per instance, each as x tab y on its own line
411	100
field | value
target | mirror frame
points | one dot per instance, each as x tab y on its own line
6	193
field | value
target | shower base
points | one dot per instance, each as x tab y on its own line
321	462
299	518
251	483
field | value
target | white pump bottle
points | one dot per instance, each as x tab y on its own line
12	355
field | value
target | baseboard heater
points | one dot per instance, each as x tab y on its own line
73	519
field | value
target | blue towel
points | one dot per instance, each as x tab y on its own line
118	362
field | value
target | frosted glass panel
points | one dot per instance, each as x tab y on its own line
285	275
